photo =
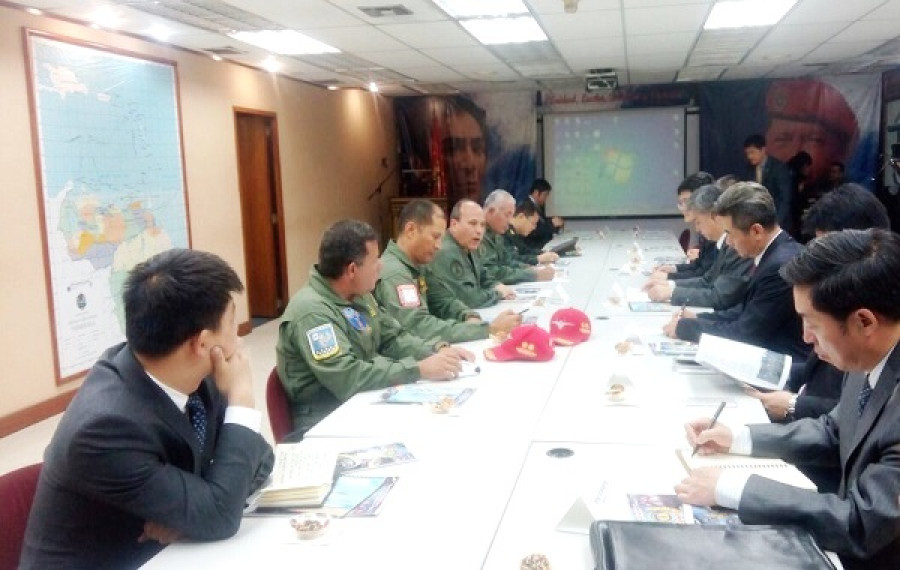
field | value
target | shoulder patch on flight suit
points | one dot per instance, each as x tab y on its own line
323	341
457	269
408	295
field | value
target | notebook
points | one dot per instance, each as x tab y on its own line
774	469
302	476
565	246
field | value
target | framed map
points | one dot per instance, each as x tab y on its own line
111	184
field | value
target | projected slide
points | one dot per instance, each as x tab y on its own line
614	163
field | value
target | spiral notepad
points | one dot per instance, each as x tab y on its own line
774	469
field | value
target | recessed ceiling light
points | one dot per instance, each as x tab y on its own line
216	57
332	87
34	11
271	64
285	42
747	13
373	87
480	8
160	32
517	30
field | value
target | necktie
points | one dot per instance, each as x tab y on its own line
196	412
864	395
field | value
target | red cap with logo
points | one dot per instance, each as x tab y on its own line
569	327
525	342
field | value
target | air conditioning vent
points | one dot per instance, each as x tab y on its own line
383	11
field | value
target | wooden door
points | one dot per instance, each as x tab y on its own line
260	186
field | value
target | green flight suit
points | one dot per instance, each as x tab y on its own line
500	263
329	349
522	251
456	273
402	292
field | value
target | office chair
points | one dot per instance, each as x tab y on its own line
279	407
16	495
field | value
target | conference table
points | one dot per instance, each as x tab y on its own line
511	471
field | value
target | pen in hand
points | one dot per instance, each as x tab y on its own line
683	307
711	425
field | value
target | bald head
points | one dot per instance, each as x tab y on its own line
467	224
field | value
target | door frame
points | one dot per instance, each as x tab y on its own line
282	285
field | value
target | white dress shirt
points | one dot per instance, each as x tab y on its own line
247	417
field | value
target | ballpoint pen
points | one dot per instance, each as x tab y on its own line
711	425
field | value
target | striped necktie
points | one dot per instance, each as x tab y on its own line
864	395
196	412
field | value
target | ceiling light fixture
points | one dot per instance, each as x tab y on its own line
34	11
373	87
271	64
747	13
216	57
482	8
332	87
105	17
284	42
516	30
570	6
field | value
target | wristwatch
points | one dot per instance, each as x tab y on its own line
439	345
792	407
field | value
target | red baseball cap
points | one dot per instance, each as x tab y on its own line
569	326
525	342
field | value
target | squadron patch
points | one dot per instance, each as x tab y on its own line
323	341
408	295
457	269
356	320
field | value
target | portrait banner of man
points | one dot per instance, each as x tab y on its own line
832	119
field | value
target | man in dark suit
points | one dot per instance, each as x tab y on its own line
844	288
547	227
703	255
773	174
161	442
766	315
724	283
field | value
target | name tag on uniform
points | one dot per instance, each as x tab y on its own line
408	295
323	341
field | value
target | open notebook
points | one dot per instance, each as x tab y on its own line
774	469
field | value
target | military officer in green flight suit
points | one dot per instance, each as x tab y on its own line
336	341
457	271
500	263
403	286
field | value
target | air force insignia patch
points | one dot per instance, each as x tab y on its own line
408	296
323	342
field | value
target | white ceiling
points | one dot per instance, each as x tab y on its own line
645	41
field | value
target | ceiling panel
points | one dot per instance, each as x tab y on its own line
457	55
422	10
835	52
650	77
315	13
747	71
433	73
603	23
665	19
430	34
812	11
887	11
600	48
556	6
399	59
653	43
778	54
870	30
655	62
357	38
788	34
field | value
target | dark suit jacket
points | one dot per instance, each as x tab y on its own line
766	317
543	232
722	286
124	454
861	522
696	268
823	386
776	177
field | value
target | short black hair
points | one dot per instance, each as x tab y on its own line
342	244
540	185
727	181
756	141
694	181
173	296
526	208
850	270
799	160
747	203
420	211
847	207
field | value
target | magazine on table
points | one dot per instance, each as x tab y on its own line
748	364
